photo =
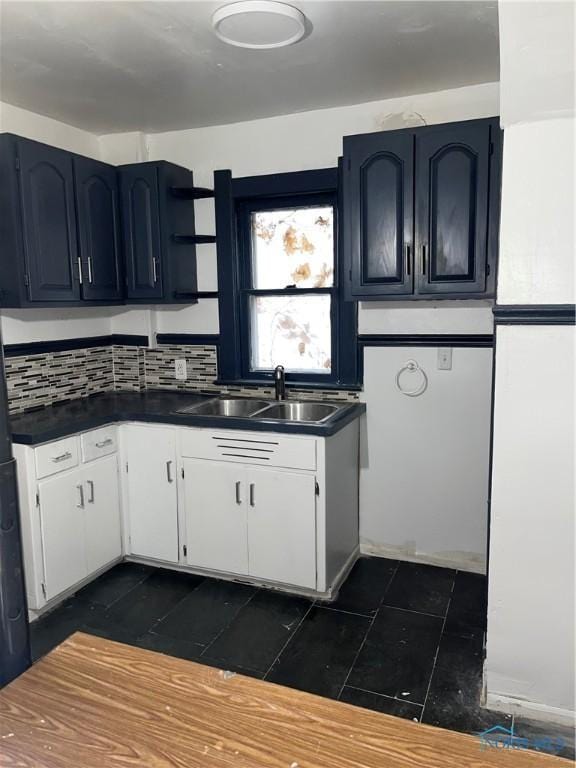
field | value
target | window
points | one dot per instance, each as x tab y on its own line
286	287
289	254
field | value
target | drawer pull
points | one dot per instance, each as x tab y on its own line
238	499
251	494
62	457
245	456
80	504
91	487
104	443
244	440
247	448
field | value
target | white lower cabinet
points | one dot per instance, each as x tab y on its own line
215	509
151	492
102	512
282	526
251	521
80	523
63	537
278	509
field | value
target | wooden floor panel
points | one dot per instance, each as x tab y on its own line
92	703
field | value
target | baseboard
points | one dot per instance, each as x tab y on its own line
530	709
460	561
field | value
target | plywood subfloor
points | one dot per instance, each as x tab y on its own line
92	703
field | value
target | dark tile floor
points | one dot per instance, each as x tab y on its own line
400	638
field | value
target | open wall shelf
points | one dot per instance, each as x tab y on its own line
191	193
194	239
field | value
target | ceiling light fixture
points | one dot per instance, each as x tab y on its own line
259	24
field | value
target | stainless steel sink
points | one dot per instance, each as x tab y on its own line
294	410
231	406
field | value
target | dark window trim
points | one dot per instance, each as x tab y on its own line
235	197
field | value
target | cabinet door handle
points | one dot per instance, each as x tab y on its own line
238	499
169	471
91	488
89	269
80	489
80	270
408	266
62	457
154	271
423	258
251	494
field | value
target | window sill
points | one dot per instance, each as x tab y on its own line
269	384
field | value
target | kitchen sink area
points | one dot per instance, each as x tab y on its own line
227	406
299	411
238	407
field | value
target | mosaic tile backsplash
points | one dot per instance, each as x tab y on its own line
38	380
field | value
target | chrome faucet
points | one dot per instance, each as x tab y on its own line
280	382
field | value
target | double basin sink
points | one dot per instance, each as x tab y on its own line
245	408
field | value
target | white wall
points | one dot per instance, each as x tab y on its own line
119	148
424	460
530	647
45	129
20	326
530	652
537	224
536	60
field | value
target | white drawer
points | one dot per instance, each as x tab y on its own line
99	442
54	457
264	448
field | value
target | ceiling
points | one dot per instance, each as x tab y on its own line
157	66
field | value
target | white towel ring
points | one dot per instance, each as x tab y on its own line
413	367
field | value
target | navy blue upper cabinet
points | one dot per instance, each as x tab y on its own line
75	231
48	223
421	211
452	186
141	231
379	218
98	229
158	232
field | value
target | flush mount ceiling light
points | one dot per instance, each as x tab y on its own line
259	24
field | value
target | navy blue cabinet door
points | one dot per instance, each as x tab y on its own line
48	222
452	187
378	212
141	231
98	229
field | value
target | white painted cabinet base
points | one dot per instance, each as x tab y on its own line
216	516
70	517
62	529
282	526
290	524
150	468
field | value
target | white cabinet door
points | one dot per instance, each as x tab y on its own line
151	492
62	502
282	526
102	512
216	515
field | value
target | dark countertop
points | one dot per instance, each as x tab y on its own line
153	407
